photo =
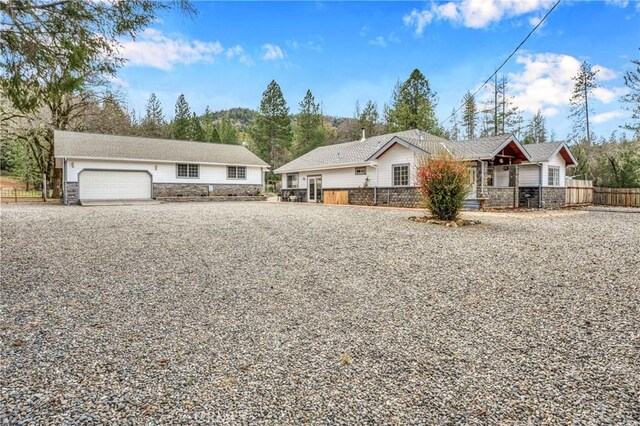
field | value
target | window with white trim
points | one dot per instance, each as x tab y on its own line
554	176
401	175
236	172
292	180
361	171
188	171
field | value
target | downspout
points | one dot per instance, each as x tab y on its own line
64	180
540	186
375	187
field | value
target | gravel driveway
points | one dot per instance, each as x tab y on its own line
289	314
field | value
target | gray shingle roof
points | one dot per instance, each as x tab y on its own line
542	151
356	152
476	149
91	145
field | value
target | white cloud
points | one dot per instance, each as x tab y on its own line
604	74
535	20
272	52
378	41
606	116
546	82
418	19
364	31
618	3
381	41
474	13
238	52
608	95
155	49
118	82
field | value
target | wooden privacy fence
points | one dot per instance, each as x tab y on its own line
579	192
624	197
336	197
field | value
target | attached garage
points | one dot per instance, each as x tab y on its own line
114	185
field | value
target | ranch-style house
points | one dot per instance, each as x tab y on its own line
381	170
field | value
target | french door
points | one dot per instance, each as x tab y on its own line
314	189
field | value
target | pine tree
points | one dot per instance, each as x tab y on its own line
214	136
536	130
454	130
413	106
632	81
369	118
182	119
228	132
585	82
271	132
469	118
309	131
194	129
153	123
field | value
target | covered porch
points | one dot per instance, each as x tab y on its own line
497	177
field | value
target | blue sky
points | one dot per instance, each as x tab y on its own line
354	51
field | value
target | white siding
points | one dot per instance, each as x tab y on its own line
501	176
397	154
556	161
335	178
163	172
529	175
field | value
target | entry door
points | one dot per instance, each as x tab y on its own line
314	189
472	183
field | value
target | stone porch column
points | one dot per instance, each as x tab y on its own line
514	181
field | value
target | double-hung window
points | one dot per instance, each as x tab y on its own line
400	175
188	171
554	176
292	180
236	172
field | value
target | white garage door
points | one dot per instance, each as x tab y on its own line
114	185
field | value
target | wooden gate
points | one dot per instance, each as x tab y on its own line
336	197
579	192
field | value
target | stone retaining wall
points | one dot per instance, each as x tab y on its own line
215	198
202	189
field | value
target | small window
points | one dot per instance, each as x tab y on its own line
292	180
361	170
554	176
401	175
188	171
236	172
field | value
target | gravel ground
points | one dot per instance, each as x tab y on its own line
289	314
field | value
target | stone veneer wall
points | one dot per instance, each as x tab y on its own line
499	197
392	197
202	189
554	197
71	190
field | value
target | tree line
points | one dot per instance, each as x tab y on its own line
48	83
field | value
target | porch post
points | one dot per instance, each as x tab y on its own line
514	180
482	177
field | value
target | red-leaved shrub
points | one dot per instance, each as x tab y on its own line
444	184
